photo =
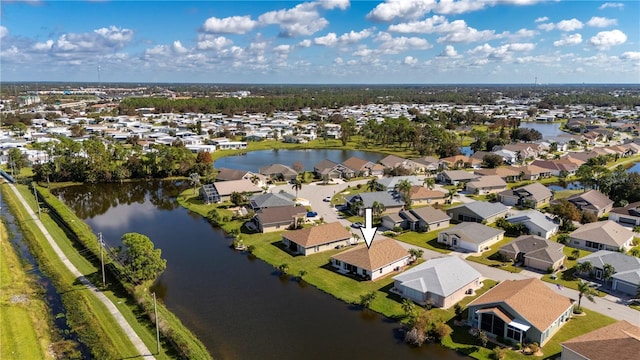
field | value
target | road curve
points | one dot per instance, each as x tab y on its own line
122	322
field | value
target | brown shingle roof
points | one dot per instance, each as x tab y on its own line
594	198
318	235
420	192
242	185
530	298
606	232
281	214
381	253
619	341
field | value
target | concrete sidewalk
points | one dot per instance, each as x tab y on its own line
135	339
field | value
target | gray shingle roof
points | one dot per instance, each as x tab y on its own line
442	276
483	209
383	197
271	200
536	247
473	232
533	217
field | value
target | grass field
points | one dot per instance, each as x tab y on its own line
25	319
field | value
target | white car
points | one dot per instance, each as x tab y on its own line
327	199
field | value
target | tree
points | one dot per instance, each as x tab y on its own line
377	208
404	188
366	300
492	160
430	183
566	211
194	179
17	160
283	269
482	337
607	272
586	291
204	157
372	185
575	253
409	308
297	185
140	259
584	267
238	198
415	253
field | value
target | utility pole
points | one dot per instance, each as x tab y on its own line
155	310
101	257
35	193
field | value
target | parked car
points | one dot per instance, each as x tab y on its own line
327	199
357	225
312	214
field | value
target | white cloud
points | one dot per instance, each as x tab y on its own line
331	39
328	40
338	61
569	25
303	19
332	4
425	26
541	19
209	42
573	39
449	51
178	48
45	46
459	32
525	33
611	5
606	39
305	43
521	47
410	60
401	9
3	31
631	55
229	25
547	26
451	7
501	53
395	45
601	22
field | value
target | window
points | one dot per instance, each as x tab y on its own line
513	333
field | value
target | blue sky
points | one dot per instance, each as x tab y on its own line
320	42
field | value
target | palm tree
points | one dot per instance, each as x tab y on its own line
585	267
415	253
404	188
408	307
430	183
372	185
587	291
194	179
607	272
450	195
297	185
377	209
575	253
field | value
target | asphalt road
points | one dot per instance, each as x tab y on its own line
609	305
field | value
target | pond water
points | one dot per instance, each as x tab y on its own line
634	168
238	306
254	160
546	129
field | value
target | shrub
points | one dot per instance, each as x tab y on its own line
519	346
442	330
458	310
550	270
499	353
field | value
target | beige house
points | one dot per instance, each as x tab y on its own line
534	251
440	282
420	195
533	196
316	239
523	311
619	341
470	236
383	257
592	201
628	215
484	185
226	188
278	218
602	235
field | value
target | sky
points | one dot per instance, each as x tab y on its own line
321	42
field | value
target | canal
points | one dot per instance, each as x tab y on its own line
238	306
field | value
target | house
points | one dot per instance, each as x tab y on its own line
557	167
626	215
278	218
440	282
460	161
279	172
359	167
602	235
393	220
508	174
226	188
420	195
455	177
533	172
426	164
226	174
392	162
478	211
470	236
327	168
599	344
270	200
425	218
317	238
486	185
592	201
537	223
534	251
626	277
389	183
357	203
533	196
381	258
523	311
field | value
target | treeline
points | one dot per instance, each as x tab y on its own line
93	161
625	101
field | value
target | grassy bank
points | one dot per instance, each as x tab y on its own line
25	329
74	236
317	273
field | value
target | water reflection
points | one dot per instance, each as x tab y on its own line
237	306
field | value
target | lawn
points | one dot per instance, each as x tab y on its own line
566	277
486	257
428	240
25	326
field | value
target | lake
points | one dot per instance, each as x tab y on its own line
546	129
239	307
254	160
634	168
